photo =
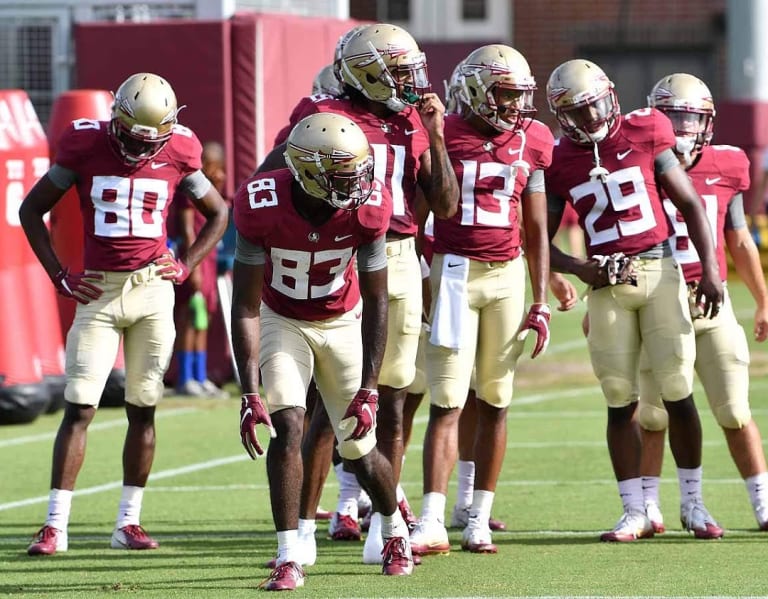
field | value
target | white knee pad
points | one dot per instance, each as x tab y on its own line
733	416
618	391
652	417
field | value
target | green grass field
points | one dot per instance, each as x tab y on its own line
208	505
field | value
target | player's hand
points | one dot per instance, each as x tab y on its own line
172	269
432	112
362	412
564	291
538	322
76	286
253	412
616	269
761	324
709	296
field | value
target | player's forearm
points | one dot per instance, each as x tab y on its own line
210	234
746	260
245	346
443	195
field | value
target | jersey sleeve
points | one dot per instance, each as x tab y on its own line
373	216
252	223
186	150
663	133
734	163
540	141
76	142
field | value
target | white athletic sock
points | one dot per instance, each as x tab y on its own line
307	528
129	510
757	487
287	546
651	489
393	526
482	502
433	507
399	493
631	493
59	508
466	483
349	490
690	484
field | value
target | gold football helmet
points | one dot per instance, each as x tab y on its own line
326	83
498	86
454	90
342	41
582	98
143	115
384	63
688	103
330	158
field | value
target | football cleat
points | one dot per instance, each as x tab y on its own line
212	391
654	514
429	537
695	518
397	557
48	540
285	577
344	527
408	516
761	515
476	538
631	526
132	536
460	519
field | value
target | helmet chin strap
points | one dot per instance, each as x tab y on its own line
683	147
599	171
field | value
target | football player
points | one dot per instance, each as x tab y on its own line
606	165
126	172
300	310
385	80
719	174
478	317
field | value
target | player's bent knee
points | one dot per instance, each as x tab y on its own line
675	387
354	450
732	416
146	396
399	376
617	391
83	393
497	394
652	418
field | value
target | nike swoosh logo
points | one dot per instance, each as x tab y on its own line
623	155
411	131
247	413
156	165
711	181
341	237
454	265
367	408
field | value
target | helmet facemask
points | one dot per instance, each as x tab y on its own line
505	107
591	121
137	143
693	130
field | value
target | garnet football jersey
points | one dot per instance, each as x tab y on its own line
124	206
398	142
485	226
720	173
310	269
624	213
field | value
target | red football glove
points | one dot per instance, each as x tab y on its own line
253	412
363	410
172	269
537	321
76	286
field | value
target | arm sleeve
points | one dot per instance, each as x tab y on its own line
734	217
372	256
664	161
536	182
195	184
249	253
62	177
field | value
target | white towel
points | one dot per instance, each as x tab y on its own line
452	303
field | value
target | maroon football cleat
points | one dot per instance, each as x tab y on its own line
695	518
285	577
344	527
407	513
132	536
398	560
47	541
496	525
